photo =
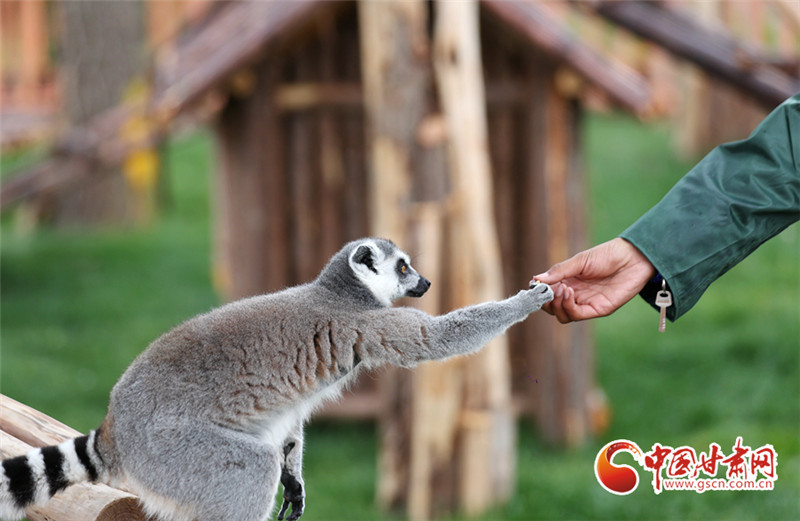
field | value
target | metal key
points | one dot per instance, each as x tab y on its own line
663	301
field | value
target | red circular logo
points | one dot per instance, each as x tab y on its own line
617	479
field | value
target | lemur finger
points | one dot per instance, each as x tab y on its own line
284	508
297	510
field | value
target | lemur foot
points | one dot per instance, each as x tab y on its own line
292	495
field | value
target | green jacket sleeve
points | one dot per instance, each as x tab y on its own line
737	197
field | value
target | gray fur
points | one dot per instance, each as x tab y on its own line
208	420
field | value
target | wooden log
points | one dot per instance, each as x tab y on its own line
33	22
421	423
486	431
75	156
22	429
81	502
31	426
395	76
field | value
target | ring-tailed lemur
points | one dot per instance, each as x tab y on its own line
208	420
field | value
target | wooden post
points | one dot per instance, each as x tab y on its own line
33	21
397	88
487	450
81	502
447	430
551	230
251	236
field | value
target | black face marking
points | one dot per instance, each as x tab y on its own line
363	255
402	267
83	456
54	469
20	480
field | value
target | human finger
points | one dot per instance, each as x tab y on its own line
562	270
560	294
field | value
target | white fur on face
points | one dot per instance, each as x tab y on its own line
387	284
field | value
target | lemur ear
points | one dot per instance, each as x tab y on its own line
365	255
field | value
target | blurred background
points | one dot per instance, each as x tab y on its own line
160	158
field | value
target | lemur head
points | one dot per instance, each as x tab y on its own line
375	271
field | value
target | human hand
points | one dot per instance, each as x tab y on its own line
596	282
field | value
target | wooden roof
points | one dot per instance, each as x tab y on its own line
712	49
232	35
211	52
623	85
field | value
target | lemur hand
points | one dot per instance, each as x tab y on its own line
292	495
536	297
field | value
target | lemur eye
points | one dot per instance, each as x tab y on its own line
402	267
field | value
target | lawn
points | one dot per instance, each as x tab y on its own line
78	306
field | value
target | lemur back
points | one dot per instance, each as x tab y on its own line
208	420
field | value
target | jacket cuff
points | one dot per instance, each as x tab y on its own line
653	286
651	289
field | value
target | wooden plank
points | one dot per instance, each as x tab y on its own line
303	175
537	331
299	96
330	154
251	235
560	359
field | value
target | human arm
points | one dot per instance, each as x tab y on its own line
740	195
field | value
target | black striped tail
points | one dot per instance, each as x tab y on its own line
35	477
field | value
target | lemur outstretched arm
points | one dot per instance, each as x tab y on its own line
292	475
407	336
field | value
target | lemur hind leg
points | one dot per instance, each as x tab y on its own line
205	472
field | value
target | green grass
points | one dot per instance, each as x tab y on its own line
78	306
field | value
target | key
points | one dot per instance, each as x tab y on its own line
663	301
